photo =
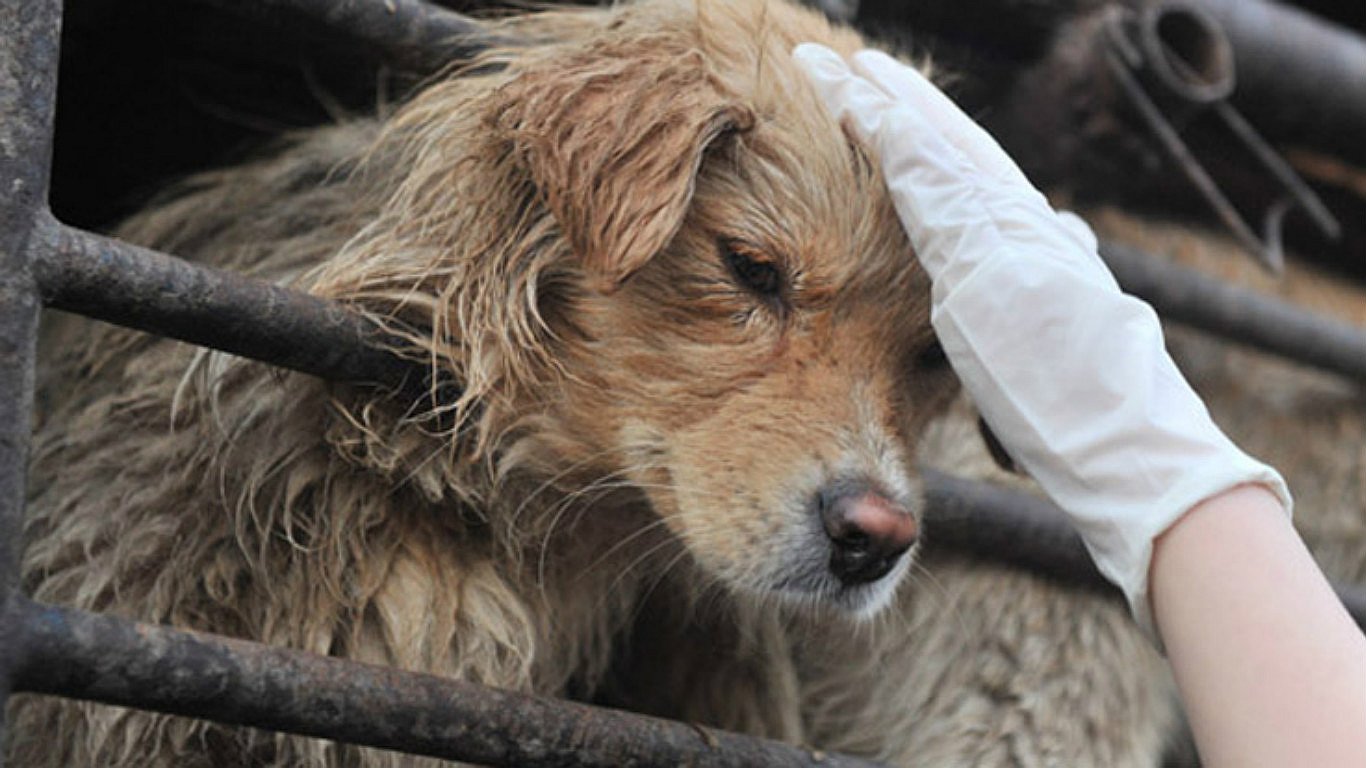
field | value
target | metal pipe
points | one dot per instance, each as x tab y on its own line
1301	79
1238	314
29	35
1000	525
116	661
1185	49
413	35
139	288
1006	526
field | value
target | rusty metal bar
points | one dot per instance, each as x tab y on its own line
413	35
29	38
1238	314
1270	254
1184	55
1300	78
133	286
139	288
1000	525
111	660
1006	526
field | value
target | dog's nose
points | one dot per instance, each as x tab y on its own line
869	532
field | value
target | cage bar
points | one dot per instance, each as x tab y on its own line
110	280
1238	314
115	661
1001	525
413	35
28	87
1007	526
139	288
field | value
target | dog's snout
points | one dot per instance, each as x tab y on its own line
868	532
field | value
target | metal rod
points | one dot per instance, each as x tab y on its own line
413	35
1006	526
1301	79
29	38
1185	51
1269	254
1295	187
139	288
1187	296
116	661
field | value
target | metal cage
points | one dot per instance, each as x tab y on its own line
63	652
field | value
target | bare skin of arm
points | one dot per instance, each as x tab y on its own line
1271	667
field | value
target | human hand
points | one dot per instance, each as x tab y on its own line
1070	372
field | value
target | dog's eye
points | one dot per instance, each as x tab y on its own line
750	270
932	357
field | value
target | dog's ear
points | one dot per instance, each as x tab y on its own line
613	138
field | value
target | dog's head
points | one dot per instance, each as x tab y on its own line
716	301
751	340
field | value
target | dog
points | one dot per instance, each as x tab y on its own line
695	368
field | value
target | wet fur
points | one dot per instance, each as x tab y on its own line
534	532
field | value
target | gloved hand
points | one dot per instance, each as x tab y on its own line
1070	373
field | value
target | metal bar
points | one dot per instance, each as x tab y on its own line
414	35
1354	600
1301	79
1295	187
116	661
139	288
1268	253
29	38
1006	526
1187	296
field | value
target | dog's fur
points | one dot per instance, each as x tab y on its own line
615	506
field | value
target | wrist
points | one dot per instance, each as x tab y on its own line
1242	507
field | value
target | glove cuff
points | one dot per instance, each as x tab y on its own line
1130	571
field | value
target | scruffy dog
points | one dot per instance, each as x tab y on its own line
694	365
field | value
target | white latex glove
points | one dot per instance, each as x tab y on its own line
1071	373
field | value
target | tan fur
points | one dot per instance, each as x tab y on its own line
607	507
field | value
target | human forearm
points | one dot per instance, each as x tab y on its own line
1270	666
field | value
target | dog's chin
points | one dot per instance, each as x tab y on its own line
820	590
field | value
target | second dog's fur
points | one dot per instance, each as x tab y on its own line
677	304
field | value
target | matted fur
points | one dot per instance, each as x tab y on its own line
601	510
